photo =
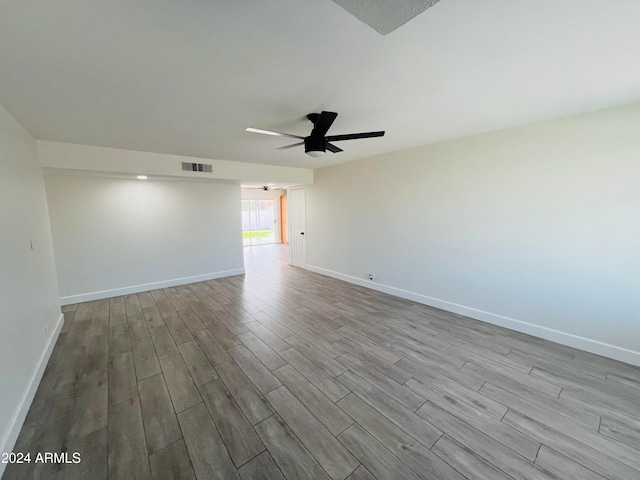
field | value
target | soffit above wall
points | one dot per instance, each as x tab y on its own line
85	160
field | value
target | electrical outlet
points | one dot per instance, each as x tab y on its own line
46	332
372	277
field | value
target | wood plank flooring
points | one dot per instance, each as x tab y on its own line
286	374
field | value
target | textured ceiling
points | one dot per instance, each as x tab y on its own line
188	77
385	16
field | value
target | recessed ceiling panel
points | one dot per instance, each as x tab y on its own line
385	16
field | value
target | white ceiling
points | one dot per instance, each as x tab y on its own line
188	77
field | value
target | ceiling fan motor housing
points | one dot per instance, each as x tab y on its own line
315	144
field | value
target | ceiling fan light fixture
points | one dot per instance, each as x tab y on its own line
315	147
315	153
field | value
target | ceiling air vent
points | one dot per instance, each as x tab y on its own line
196	167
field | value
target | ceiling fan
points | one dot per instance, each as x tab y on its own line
264	188
317	143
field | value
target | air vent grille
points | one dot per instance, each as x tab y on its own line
196	167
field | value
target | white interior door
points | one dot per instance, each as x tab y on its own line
297	223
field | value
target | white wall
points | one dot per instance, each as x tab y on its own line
114	236
539	224
28	288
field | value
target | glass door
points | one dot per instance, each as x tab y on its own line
258	222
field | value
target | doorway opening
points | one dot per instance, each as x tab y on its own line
258	222
264	216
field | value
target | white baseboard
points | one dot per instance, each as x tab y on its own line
10	437
116	292
582	343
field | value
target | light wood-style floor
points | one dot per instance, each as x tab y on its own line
283	373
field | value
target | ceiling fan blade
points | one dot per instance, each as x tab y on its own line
324	122
289	146
353	136
269	132
333	148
